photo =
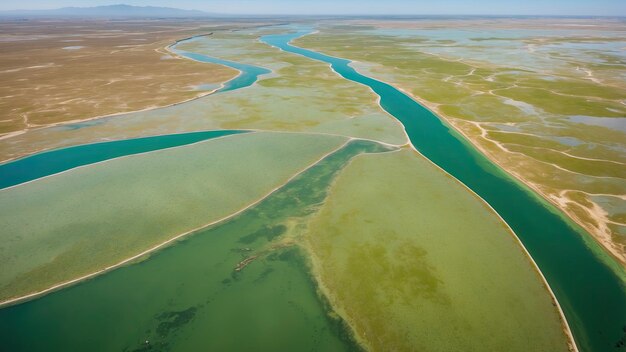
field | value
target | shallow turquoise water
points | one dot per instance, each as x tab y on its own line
59	160
590	292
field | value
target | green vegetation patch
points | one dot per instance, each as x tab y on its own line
413	261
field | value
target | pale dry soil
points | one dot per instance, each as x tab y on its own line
58	71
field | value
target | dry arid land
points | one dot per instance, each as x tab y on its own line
54	71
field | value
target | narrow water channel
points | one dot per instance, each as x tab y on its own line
248	74
58	160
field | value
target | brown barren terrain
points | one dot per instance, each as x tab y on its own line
58	71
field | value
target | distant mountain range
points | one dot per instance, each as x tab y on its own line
109	11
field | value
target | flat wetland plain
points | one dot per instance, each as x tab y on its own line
320	228
429	268
544	98
192	297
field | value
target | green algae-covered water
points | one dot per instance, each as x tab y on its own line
190	297
590	291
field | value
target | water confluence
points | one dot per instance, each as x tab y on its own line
590	291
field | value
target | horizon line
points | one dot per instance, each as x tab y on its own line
210	13
234	14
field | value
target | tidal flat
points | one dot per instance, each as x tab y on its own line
413	261
514	88
75	223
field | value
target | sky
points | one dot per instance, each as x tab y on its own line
359	7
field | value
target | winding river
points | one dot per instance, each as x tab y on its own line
590	291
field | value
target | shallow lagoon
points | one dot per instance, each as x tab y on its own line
614	123
78	222
189	296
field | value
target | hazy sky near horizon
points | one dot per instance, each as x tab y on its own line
313	7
